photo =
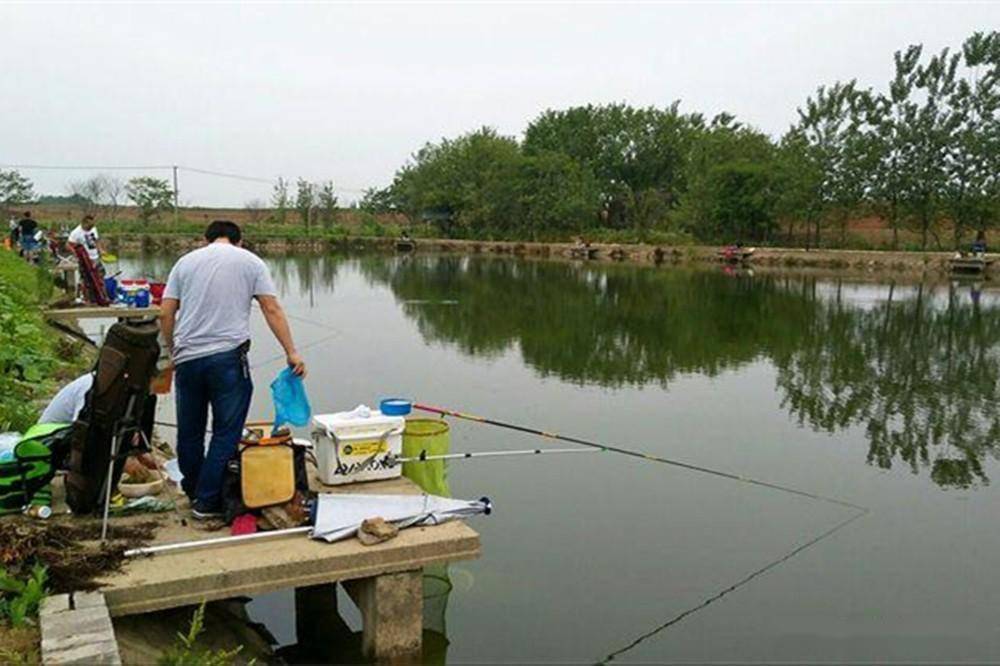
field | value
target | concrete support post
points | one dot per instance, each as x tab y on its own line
391	608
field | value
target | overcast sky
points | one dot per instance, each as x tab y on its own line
348	92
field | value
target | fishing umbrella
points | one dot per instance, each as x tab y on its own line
340	516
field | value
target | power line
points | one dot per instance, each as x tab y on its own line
86	167
164	167
235	176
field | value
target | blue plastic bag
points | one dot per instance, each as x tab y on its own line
291	405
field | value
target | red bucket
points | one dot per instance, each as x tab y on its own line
156	291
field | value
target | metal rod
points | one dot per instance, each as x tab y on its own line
219	541
491	454
116	443
638	454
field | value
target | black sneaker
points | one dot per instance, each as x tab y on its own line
199	512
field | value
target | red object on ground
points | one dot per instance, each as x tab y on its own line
156	292
245	524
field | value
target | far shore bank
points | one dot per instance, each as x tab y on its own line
911	262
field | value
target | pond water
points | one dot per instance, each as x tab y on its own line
884	395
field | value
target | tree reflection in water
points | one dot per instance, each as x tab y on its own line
918	369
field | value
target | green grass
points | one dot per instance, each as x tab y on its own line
33	361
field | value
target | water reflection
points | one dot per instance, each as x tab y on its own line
918	372
916	367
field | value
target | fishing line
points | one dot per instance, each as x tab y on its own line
281	356
334	332
732	588
858	510
642	455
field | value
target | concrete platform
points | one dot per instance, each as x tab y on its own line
384	578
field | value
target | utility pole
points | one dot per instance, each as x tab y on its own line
176	206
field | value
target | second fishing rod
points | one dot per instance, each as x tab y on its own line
638	454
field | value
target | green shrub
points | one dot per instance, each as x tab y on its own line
185	651
19	599
31	357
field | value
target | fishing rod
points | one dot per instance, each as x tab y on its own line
638	454
208	543
423	457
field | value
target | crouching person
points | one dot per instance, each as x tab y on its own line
206	327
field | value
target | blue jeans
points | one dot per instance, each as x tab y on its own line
223	381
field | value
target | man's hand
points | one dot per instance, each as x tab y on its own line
297	364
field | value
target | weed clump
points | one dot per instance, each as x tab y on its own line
69	551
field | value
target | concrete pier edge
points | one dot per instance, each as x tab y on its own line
76	629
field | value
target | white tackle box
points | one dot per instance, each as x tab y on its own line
352	447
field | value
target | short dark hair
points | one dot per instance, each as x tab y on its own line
88	217
223	228
27	213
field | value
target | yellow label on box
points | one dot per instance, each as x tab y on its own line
365	448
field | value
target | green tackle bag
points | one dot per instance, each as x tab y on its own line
25	479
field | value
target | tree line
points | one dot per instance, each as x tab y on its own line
102	193
922	154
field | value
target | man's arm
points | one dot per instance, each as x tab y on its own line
274	314
168	317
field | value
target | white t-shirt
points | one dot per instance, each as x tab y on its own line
215	286
88	239
68	402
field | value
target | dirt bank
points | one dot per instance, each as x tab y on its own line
866	260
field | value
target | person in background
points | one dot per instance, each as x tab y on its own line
205	322
85	235
979	247
26	228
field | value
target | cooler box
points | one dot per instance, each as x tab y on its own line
351	448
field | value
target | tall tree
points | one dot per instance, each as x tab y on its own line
280	200
722	153
888	120
112	188
327	199
799	180
829	123
151	196
305	201
466	185
89	192
637	155
929	131
972	184
15	189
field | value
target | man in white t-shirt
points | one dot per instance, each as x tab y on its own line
67	403
206	327
85	235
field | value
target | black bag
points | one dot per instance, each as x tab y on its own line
114	406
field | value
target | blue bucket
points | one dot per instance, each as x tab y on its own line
395	407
